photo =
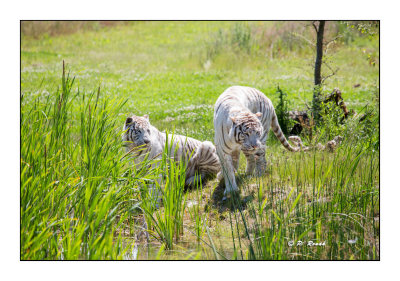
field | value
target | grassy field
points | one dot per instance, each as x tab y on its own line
82	199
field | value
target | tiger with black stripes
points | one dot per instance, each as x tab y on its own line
242	119
144	140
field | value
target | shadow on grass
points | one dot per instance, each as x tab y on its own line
234	201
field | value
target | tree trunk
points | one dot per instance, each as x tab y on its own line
318	59
317	70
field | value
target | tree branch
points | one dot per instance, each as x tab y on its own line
332	40
333	72
327	44
304	38
315	27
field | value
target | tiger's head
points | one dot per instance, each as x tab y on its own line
137	131
247	131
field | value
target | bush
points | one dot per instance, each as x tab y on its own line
282	112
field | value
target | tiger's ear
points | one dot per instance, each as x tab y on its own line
146	117
259	114
129	120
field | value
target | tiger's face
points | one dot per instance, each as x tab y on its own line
247	131
137	131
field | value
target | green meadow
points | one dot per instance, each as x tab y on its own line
82	197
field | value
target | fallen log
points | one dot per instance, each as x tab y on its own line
336	96
329	146
302	118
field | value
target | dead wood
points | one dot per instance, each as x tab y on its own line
302	118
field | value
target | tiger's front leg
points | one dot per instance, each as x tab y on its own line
228	172
235	159
261	162
251	163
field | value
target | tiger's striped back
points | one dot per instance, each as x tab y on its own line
147	141
242	99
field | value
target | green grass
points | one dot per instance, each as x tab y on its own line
81	197
167	222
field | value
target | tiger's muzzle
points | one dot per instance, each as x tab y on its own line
256	150
250	149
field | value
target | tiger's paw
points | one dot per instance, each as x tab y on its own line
230	193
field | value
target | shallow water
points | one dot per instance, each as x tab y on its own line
183	250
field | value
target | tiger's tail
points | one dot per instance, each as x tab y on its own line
279	134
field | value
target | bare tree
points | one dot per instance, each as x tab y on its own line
318	63
319	48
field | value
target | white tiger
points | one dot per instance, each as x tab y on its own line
242	119
141	139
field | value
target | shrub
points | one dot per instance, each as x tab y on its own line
282	111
